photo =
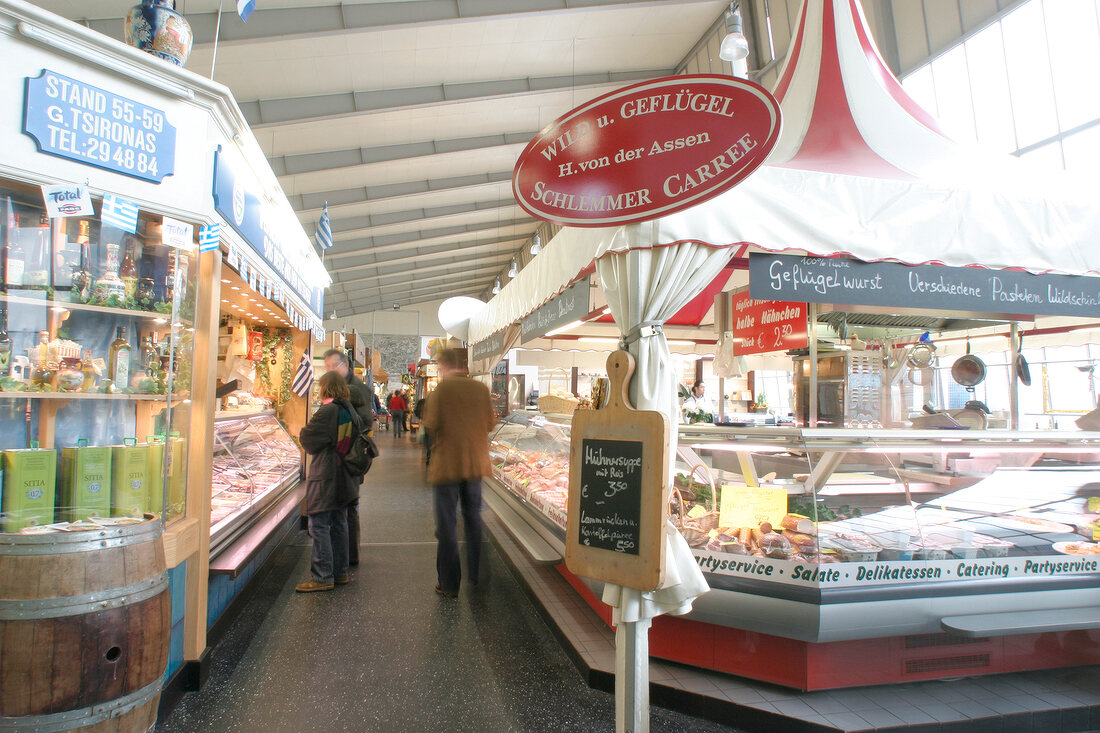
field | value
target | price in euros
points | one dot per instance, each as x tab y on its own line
781	332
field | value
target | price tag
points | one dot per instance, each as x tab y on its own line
1094	503
748	506
697	511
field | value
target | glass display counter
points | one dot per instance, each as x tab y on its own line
255	461
833	535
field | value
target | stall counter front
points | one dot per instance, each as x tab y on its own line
821	546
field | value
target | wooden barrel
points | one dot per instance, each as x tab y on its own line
85	620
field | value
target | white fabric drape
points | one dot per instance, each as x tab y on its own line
650	286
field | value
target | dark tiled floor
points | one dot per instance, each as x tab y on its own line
387	654
1049	701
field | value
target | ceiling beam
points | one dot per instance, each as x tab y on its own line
416	277
316	20
416	252
345	229
397	292
427	251
429	269
309	201
353	247
466	255
386	305
284	165
262	113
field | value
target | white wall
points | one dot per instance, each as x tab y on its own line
400	322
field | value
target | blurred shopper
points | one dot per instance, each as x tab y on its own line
397	407
329	487
458	417
360	398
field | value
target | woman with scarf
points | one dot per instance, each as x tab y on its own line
329	487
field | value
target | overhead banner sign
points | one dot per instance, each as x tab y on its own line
255	221
765	326
489	347
647	150
569	306
74	120
935	287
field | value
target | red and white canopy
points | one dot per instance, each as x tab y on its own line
859	169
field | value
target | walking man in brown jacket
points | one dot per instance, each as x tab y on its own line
458	417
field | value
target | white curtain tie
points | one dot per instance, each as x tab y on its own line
645	329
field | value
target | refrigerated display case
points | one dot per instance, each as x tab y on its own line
255	463
897	545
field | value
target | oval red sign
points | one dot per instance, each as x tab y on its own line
647	150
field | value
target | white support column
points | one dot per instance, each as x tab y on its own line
632	677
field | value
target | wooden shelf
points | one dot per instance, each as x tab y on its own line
19	299
86	396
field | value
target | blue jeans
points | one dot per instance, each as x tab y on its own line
447	499
397	419
329	558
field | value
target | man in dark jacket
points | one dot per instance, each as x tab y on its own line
337	361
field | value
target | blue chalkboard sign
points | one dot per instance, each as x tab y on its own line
74	120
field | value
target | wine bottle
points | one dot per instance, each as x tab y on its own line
150	360
128	273
5	345
42	375
17	258
88	369
118	369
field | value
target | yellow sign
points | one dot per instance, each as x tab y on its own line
1094	503
697	511
748	506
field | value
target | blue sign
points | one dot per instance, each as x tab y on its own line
74	120
245	212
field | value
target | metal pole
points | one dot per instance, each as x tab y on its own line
1014	392
217	33
632	676
811	416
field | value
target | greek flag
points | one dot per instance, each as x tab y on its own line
303	378
210	237
324	230
119	213
245	8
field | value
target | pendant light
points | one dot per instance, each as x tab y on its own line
734	46
496	286
513	270
536	244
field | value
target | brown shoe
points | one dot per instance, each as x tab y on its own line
312	586
341	580
445	594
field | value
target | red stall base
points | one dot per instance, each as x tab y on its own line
830	665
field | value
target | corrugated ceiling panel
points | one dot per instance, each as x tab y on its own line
911	36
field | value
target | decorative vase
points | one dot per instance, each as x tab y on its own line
155	27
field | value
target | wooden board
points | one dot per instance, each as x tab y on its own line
618	468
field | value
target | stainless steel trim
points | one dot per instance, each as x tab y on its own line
58	543
58	722
85	603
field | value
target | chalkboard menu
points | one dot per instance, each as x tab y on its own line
611	494
844	281
618	471
499	392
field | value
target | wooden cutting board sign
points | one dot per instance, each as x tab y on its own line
618	467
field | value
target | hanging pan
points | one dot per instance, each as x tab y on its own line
968	370
1023	371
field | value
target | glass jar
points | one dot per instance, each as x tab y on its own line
144	296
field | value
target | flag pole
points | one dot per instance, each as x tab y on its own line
217	33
